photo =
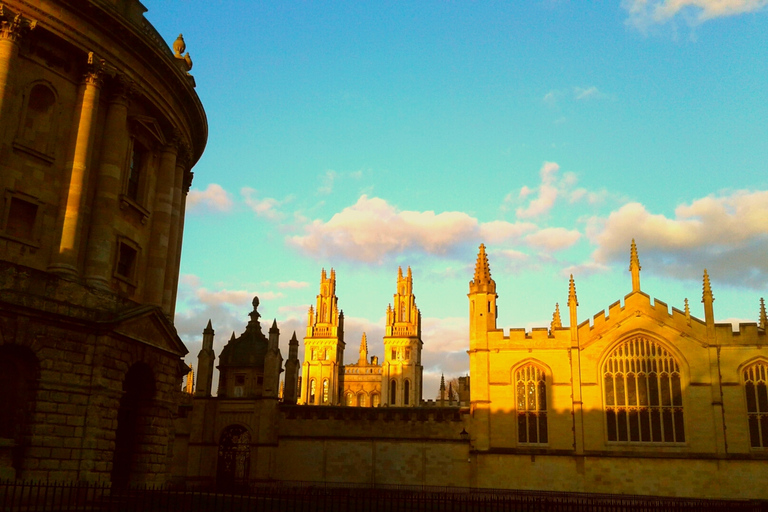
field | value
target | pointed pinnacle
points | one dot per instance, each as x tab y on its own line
232	338
572	300
294	339
364	343
763	316
208	328
707	288
687	308
634	261
556	321
482	269
274	326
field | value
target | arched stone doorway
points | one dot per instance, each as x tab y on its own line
134	418
19	372
234	456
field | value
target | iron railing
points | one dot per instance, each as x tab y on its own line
326	497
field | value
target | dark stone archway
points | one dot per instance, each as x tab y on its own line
19	372
133	422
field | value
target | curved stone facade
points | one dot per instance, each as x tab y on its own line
99	129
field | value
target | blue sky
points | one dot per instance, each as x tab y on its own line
363	136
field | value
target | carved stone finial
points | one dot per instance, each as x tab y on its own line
634	267
763	316
179	46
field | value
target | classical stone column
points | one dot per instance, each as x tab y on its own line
101	239
64	259
187	182
161	226
12	28
172	261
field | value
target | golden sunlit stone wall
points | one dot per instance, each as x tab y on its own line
99	128
639	399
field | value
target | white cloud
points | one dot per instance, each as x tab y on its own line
589	93
547	193
372	230
266	207
326	186
553	239
643	13
213	198
727	234
233	297
292	284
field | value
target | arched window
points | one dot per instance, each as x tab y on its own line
350	399
393	392
234	456
375	400
531	386
361	400
755	379
406	392
643	394
325	391
312	391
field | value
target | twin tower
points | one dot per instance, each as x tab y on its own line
396	382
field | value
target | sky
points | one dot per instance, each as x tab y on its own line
363	136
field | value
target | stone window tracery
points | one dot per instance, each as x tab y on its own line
643	394
375	400
531	392
325	391
361	400
312	391
756	390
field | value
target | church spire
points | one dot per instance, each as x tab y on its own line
634	267
763	318
556	322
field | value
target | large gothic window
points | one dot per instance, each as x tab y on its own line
643	394
531	387
234	455
755	380
361	400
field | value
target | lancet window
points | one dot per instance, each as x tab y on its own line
643	394
312	391
325	391
756	389
393	392
531	388
406	392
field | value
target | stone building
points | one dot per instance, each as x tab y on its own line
326	380
640	399
99	129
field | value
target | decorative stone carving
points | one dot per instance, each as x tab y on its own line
13	26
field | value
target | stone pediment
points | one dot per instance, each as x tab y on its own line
149	326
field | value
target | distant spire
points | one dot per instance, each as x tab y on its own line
450	393
208	328
399	273
410	274
634	267
274	326
364	349
556	322
442	388
763	317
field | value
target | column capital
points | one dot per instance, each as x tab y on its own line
188	175
94	71
14	25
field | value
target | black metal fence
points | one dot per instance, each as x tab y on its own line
320	497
